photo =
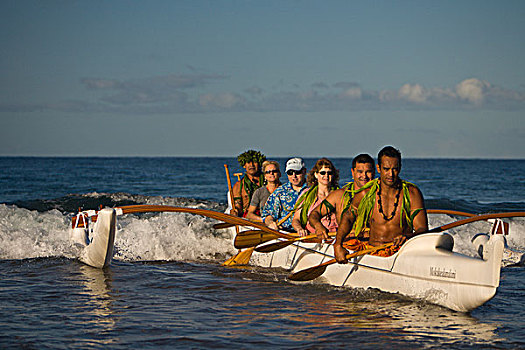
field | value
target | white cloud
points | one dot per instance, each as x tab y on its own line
223	101
473	90
353	93
201	93
413	93
386	96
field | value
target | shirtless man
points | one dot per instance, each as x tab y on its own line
382	207
243	189
362	172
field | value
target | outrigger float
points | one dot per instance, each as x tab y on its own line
425	267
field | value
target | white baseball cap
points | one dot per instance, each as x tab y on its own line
295	164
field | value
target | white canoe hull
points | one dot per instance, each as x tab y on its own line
424	268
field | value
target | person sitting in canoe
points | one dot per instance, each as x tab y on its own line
322	180
272	174
391	208
243	189
281	202
337	201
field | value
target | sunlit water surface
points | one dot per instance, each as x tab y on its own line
167	289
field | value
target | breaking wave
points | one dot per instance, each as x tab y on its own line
40	228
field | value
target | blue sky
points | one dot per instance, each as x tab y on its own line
214	78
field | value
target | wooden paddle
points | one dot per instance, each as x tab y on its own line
316	271
242	257
251	238
230	191
222	225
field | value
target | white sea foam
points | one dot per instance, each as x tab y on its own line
171	236
168	236
31	234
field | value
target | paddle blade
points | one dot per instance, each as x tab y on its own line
251	238
241	258
316	271
310	273
272	247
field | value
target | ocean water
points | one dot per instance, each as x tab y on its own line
166	287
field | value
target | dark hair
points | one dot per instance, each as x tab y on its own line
389	151
312	181
363	158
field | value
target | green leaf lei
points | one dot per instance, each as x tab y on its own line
251	156
366	205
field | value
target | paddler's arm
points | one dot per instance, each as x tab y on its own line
237	200
420	222
252	208
250	214
296	224
271	223
417	202
345	226
271	211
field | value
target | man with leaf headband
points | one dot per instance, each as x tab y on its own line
393	209
243	190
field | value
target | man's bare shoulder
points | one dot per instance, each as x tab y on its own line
335	195
416	196
413	190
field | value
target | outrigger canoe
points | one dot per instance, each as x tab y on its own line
425	267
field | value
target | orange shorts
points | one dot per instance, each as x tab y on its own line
355	245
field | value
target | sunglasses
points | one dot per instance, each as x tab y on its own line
296	172
271	172
326	173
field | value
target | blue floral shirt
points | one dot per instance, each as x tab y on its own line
280	203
